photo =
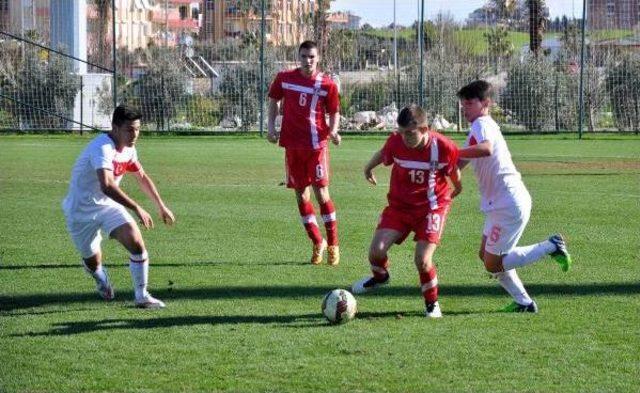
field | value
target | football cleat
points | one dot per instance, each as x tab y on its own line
318	250
517	307
433	310
561	254
105	290
149	302
368	284
333	253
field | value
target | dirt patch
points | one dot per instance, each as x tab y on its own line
580	166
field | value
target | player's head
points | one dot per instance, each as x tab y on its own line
412	124
308	57
125	125
476	99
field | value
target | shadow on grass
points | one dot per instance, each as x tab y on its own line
154	266
17	302
285	321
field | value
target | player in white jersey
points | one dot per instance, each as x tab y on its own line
505	202
96	202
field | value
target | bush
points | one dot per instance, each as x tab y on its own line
202	111
529	93
623	86
48	84
160	90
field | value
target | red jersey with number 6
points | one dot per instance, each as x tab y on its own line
306	102
418	180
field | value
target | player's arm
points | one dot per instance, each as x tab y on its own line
149	188
375	160
456	180
272	113
482	149
112	190
334	123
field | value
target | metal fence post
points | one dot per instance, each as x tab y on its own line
421	50
114	54
81	102
581	110
262	35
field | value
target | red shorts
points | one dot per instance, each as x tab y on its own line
427	226
307	167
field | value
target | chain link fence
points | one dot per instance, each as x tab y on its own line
206	65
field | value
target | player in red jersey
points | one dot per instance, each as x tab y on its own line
307	96
419	198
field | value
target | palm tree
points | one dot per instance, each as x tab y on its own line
537	25
103	56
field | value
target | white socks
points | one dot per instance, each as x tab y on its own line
511	283
100	275
139	268
522	256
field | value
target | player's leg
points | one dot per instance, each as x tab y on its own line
86	237
429	229
382	240
118	223
328	211
423	260
527	255
308	218
318	171
501	233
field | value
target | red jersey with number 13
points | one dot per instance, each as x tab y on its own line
306	102
418	180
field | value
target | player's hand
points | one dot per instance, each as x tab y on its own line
167	215
273	136
369	176
457	189
145	218
335	138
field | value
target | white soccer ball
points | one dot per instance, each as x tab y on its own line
339	306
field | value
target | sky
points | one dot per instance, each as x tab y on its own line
379	13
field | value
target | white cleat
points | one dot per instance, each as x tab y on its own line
105	290
149	302
433	311
367	284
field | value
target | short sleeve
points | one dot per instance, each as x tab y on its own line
451	154
387	151
479	133
333	99
134	164
101	156
275	91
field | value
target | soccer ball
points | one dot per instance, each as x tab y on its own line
339	306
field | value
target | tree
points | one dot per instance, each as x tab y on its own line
623	86
528	94
537	25
162	87
43	84
102	55
499	44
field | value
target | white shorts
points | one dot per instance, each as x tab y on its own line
86	234
504	227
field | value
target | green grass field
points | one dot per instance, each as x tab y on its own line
243	304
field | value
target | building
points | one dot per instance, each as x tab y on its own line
174	21
285	20
613	14
343	20
17	16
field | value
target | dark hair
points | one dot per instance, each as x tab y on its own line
411	115
124	113
307	45
479	89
